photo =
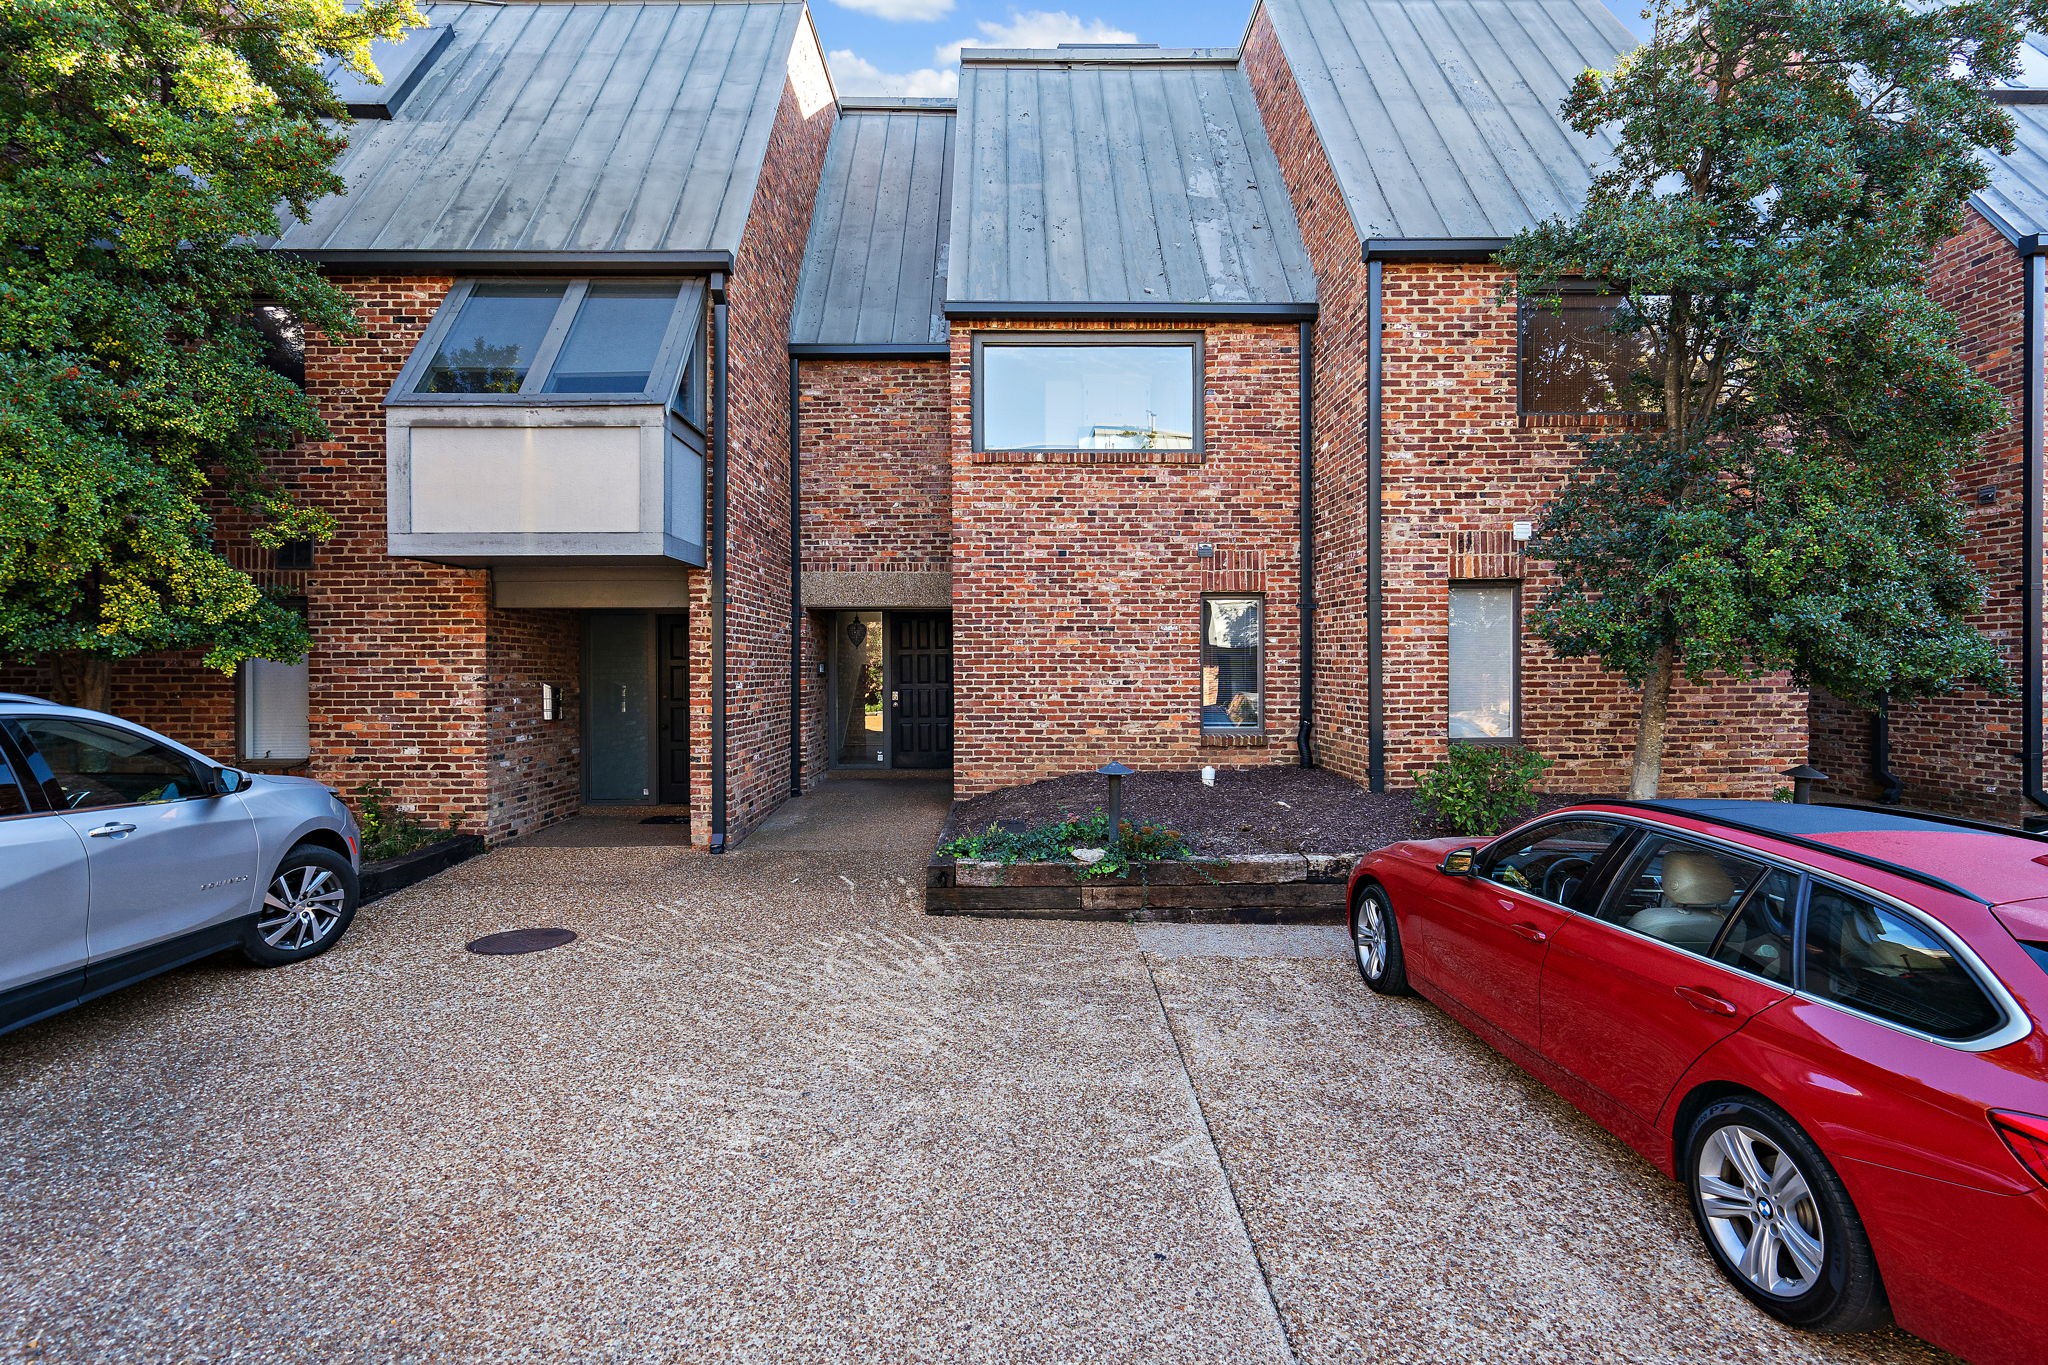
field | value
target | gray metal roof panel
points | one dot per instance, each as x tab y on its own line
2016	200
1440	117
1084	178
549	127
874	271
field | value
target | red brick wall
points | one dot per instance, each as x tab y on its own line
763	287
536	765
1077	590
1962	753
1457	461
876	466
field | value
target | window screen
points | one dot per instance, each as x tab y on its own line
493	340
1233	638
1871	958
615	339
1484	637
274	712
1575	364
1054	397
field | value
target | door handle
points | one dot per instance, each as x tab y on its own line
113	831
1529	931
1700	998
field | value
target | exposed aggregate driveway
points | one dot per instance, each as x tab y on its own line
766	1110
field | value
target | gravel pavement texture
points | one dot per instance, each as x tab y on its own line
764	1109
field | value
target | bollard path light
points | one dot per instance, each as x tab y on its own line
1116	773
1803	777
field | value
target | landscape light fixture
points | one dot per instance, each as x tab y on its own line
1116	773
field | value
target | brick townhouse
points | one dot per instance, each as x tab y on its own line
710	433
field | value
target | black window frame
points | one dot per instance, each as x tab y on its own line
243	757
1524	313
1259	665
1193	342
1514	737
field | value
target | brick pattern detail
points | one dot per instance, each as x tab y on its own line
1234	571
877	492
1486	555
1077	590
1962	753
1459	459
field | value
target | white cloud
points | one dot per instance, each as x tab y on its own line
1035	28
905	11
855	75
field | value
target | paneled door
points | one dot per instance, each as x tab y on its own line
921	688
672	753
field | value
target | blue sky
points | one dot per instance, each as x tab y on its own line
911	47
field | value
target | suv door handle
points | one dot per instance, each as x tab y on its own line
1528	931
1701	998
113	831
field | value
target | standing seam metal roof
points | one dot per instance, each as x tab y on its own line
1440	117
607	127
1106	178
874	270
2016	200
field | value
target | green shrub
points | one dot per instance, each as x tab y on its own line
1056	842
1480	789
389	830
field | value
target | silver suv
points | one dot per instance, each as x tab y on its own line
124	854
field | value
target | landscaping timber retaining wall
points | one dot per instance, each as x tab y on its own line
1265	888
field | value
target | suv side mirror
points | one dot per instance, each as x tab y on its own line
1458	862
228	781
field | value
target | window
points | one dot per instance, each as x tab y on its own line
1759	939
1874	959
1576	364
565	341
1485	662
274	723
1041	393
293	555
1554	861
1233	645
284	342
12	801
1681	893
102	765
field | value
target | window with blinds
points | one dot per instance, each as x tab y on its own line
1233	650
273	712
1485	644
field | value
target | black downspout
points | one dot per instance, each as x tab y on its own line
718	476
1305	732
1881	754
2033	466
796	592
1375	701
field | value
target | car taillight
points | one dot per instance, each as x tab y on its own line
2027	1135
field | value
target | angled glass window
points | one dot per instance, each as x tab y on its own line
494	339
615	340
1039	394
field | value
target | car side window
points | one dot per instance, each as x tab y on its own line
1759	939
12	800
1553	860
103	765
1874	959
1679	892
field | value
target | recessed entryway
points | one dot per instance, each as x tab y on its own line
636	691
890	678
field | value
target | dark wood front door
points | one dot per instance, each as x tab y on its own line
672	706
921	688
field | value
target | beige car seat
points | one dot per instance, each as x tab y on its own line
1697	890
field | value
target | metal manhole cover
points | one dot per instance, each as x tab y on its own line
522	941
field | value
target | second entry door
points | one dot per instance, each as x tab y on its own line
921	688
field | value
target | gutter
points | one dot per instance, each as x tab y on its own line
1375	549
796	590
1304	733
1881	754
2033	467
347	260
718	558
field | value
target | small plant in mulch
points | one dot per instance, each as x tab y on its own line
1058	841
390	830
1480	789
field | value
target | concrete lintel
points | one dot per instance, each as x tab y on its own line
872	590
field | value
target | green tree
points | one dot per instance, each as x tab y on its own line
1783	172
143	144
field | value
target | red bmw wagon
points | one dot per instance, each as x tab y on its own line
1826	1021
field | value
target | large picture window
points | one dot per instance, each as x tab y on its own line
1233	663
1576	364
1058	394
1485	649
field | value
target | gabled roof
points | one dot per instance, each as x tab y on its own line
567	128
874	270
1118	180
1440	117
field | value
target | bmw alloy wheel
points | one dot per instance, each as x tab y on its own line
1369	937
301	907
1760	1209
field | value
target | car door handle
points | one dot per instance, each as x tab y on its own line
1528	931
1701	998
113	831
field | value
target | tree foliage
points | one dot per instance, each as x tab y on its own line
1783	172
143	144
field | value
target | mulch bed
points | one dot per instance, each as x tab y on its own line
1250	810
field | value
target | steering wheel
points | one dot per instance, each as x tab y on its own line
1571	869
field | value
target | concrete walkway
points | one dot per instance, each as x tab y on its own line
765	1110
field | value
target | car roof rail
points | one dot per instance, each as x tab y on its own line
20	697
1871	860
